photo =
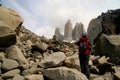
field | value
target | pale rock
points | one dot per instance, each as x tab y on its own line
42	47
72	62
2	55
9	64
10	73
34	77
10	17
53	60
14	52
18	77
63	73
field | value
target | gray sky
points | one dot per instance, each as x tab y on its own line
43	16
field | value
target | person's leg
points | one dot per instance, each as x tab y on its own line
81	63
84	59
86	67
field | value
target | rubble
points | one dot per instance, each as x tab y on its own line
38	58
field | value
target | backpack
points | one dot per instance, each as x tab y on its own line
82	46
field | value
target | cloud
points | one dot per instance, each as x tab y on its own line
43	16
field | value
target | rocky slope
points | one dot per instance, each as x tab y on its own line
26	56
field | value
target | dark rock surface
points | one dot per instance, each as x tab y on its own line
106	23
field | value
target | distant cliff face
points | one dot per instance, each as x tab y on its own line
78	30
68	31
58	34
107	23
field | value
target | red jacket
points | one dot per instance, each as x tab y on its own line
87	44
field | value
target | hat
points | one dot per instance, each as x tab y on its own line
84	35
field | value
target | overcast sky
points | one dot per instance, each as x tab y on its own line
43	16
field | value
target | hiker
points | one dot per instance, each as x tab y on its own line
84	54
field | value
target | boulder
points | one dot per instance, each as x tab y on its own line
106	76
42	47
32	70
7	36
103	68
10	18
10	73
34	77
44	39
6	65
53	60
2	55
14	52
116	74
94	58
106	23
90	63
63	73
10	22
29	43
94	70
109	45
18	77
102	60
72	62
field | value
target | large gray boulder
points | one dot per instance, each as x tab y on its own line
53	60
68	31
106	23
7	35
18	77
10	73
63	73
14	52
34	77
42	47
72	62
10	22
109	45
9	64
10	18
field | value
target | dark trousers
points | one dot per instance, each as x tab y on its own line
84	59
